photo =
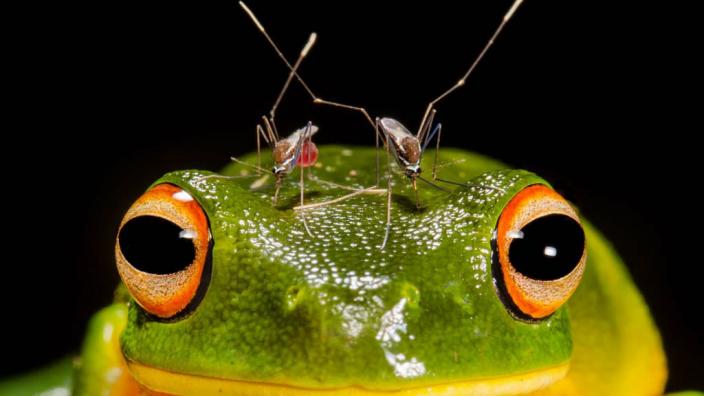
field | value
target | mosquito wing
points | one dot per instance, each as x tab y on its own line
298	134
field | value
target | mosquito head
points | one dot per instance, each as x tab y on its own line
412	170
280	171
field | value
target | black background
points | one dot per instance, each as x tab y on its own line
598	97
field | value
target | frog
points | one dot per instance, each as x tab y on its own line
495	286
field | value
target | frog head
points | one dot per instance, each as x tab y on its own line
231	294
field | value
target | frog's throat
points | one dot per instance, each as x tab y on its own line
184	384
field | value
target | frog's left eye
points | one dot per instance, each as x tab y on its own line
162	250
541	251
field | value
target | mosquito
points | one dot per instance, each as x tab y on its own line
295	151
406	147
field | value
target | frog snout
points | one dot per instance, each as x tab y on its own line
350	314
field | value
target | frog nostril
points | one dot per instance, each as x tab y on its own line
155	245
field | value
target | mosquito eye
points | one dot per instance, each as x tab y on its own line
541	252
162	248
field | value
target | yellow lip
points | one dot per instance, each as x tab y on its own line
183	384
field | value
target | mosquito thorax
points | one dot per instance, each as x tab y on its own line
282	152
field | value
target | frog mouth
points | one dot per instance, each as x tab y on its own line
185	384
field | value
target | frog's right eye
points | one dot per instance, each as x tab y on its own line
541	252
162	250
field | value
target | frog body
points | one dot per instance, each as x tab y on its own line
283	313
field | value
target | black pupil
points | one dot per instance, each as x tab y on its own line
550	248
154	245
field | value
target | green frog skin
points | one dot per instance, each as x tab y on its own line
274	311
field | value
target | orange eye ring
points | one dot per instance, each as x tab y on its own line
548	257
162	249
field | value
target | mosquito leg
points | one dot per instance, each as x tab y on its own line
376	149
368	190
423	135
474	64
303	216
471	185
424	180
437	148
449	163
271	130
277	188
260	133
316	179
388	192
293	69
415	189
292	73
239	161
259	150
377	134
225	177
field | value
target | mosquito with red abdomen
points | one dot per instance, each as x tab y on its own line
406	147
295	151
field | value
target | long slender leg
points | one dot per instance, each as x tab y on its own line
311	40
437	148
414	183
471	185
474	64
277	187
424	180
388	194
356	192
260	132
376	150
316	98
303	215
364	112
259	150
292	73
271	130
368	190
225	177
423	136
318	180
239	161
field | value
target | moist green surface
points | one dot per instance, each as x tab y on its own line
333	309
